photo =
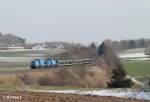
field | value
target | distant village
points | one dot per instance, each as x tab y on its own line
10	42
34	47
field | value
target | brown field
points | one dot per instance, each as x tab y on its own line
6	96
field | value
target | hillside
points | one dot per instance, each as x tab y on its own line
7	40
95	75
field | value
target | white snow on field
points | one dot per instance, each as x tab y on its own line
122	94
128	93
133	55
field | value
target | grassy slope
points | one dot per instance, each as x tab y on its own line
137	68
35	87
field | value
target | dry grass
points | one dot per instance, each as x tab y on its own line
86	76
10	79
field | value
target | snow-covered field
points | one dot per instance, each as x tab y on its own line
122	93
134	56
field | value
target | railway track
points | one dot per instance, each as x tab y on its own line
73	67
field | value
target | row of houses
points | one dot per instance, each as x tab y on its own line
37	47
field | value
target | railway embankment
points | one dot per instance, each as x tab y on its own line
96	75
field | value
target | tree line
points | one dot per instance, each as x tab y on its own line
130	44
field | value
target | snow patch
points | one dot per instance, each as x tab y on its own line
133	55
130	93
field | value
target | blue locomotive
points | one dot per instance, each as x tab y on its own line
40	63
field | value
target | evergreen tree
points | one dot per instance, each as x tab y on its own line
118	81
111	58
119	74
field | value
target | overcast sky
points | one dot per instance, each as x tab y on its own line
75	20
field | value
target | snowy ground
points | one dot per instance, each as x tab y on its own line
123	93
135	56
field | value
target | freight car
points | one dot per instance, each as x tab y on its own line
51	63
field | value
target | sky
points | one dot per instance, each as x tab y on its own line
82	21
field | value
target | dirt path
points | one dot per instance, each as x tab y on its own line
6	96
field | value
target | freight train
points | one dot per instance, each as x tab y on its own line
52	63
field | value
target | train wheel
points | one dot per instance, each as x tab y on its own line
32	67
